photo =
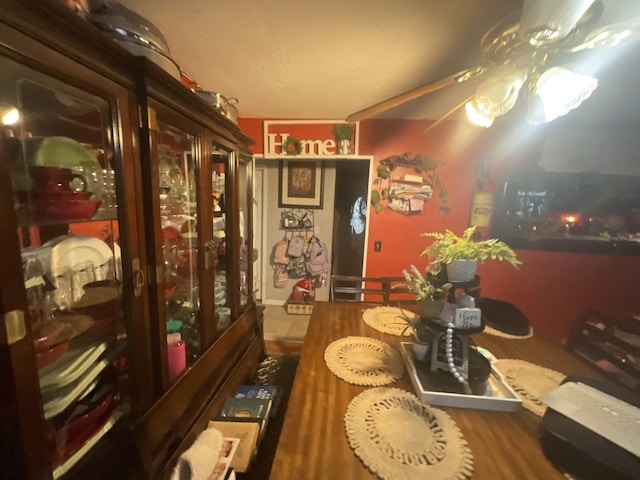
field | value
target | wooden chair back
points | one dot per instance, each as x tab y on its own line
396	291
382	290
348	288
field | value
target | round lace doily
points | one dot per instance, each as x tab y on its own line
530	381
399	437
364	361
388	320
498	333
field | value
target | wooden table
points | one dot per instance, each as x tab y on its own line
313	443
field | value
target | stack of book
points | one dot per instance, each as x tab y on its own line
245	416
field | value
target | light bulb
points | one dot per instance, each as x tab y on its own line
496	95
477	117
10	115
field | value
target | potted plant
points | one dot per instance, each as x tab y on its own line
461	254
430	299
343	133
420	335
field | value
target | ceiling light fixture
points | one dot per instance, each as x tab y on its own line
496	95
552	94
560	90
9	115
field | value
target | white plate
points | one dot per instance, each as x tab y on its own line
79	249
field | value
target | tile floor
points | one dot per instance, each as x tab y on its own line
279	326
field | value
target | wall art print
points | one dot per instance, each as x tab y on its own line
300	184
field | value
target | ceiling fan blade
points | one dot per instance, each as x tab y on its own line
611	35
546	22
459	77
447	115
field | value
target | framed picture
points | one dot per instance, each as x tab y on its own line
300	184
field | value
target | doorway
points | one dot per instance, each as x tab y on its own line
350	217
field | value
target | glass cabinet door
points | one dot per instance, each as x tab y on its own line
58	145
178	206
245	237
220	204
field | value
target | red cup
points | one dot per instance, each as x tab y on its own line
54	179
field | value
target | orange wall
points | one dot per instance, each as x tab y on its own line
551	288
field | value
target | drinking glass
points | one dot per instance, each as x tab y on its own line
63	294
82	273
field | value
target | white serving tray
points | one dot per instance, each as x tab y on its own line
499	396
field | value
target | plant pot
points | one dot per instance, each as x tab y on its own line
462	270
420	349
344	147
430	308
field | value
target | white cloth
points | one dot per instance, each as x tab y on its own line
199	460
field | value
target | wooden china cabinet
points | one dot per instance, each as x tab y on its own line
125	287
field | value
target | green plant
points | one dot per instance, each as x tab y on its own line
292	146
342	131
448	247
419	329
417	284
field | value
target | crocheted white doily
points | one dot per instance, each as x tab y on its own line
498	333
388	320
530	381
364	361
398	437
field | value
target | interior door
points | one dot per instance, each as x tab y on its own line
350	217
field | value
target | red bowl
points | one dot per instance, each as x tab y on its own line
103	327
46	335
170	289
80	424
65	209
170	234
86	420
61	196
52	354
98	301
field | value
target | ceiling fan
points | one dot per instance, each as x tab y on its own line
520	55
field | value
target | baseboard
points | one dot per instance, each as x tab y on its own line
277	303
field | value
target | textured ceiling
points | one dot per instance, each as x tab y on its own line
331	58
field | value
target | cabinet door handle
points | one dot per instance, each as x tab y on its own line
209	254
15	328
138	277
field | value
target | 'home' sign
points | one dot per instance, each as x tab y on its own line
315	136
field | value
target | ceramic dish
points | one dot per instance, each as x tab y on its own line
65	210
74	250
70	367
47	334
64	152
52	354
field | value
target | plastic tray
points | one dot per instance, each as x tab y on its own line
498	396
